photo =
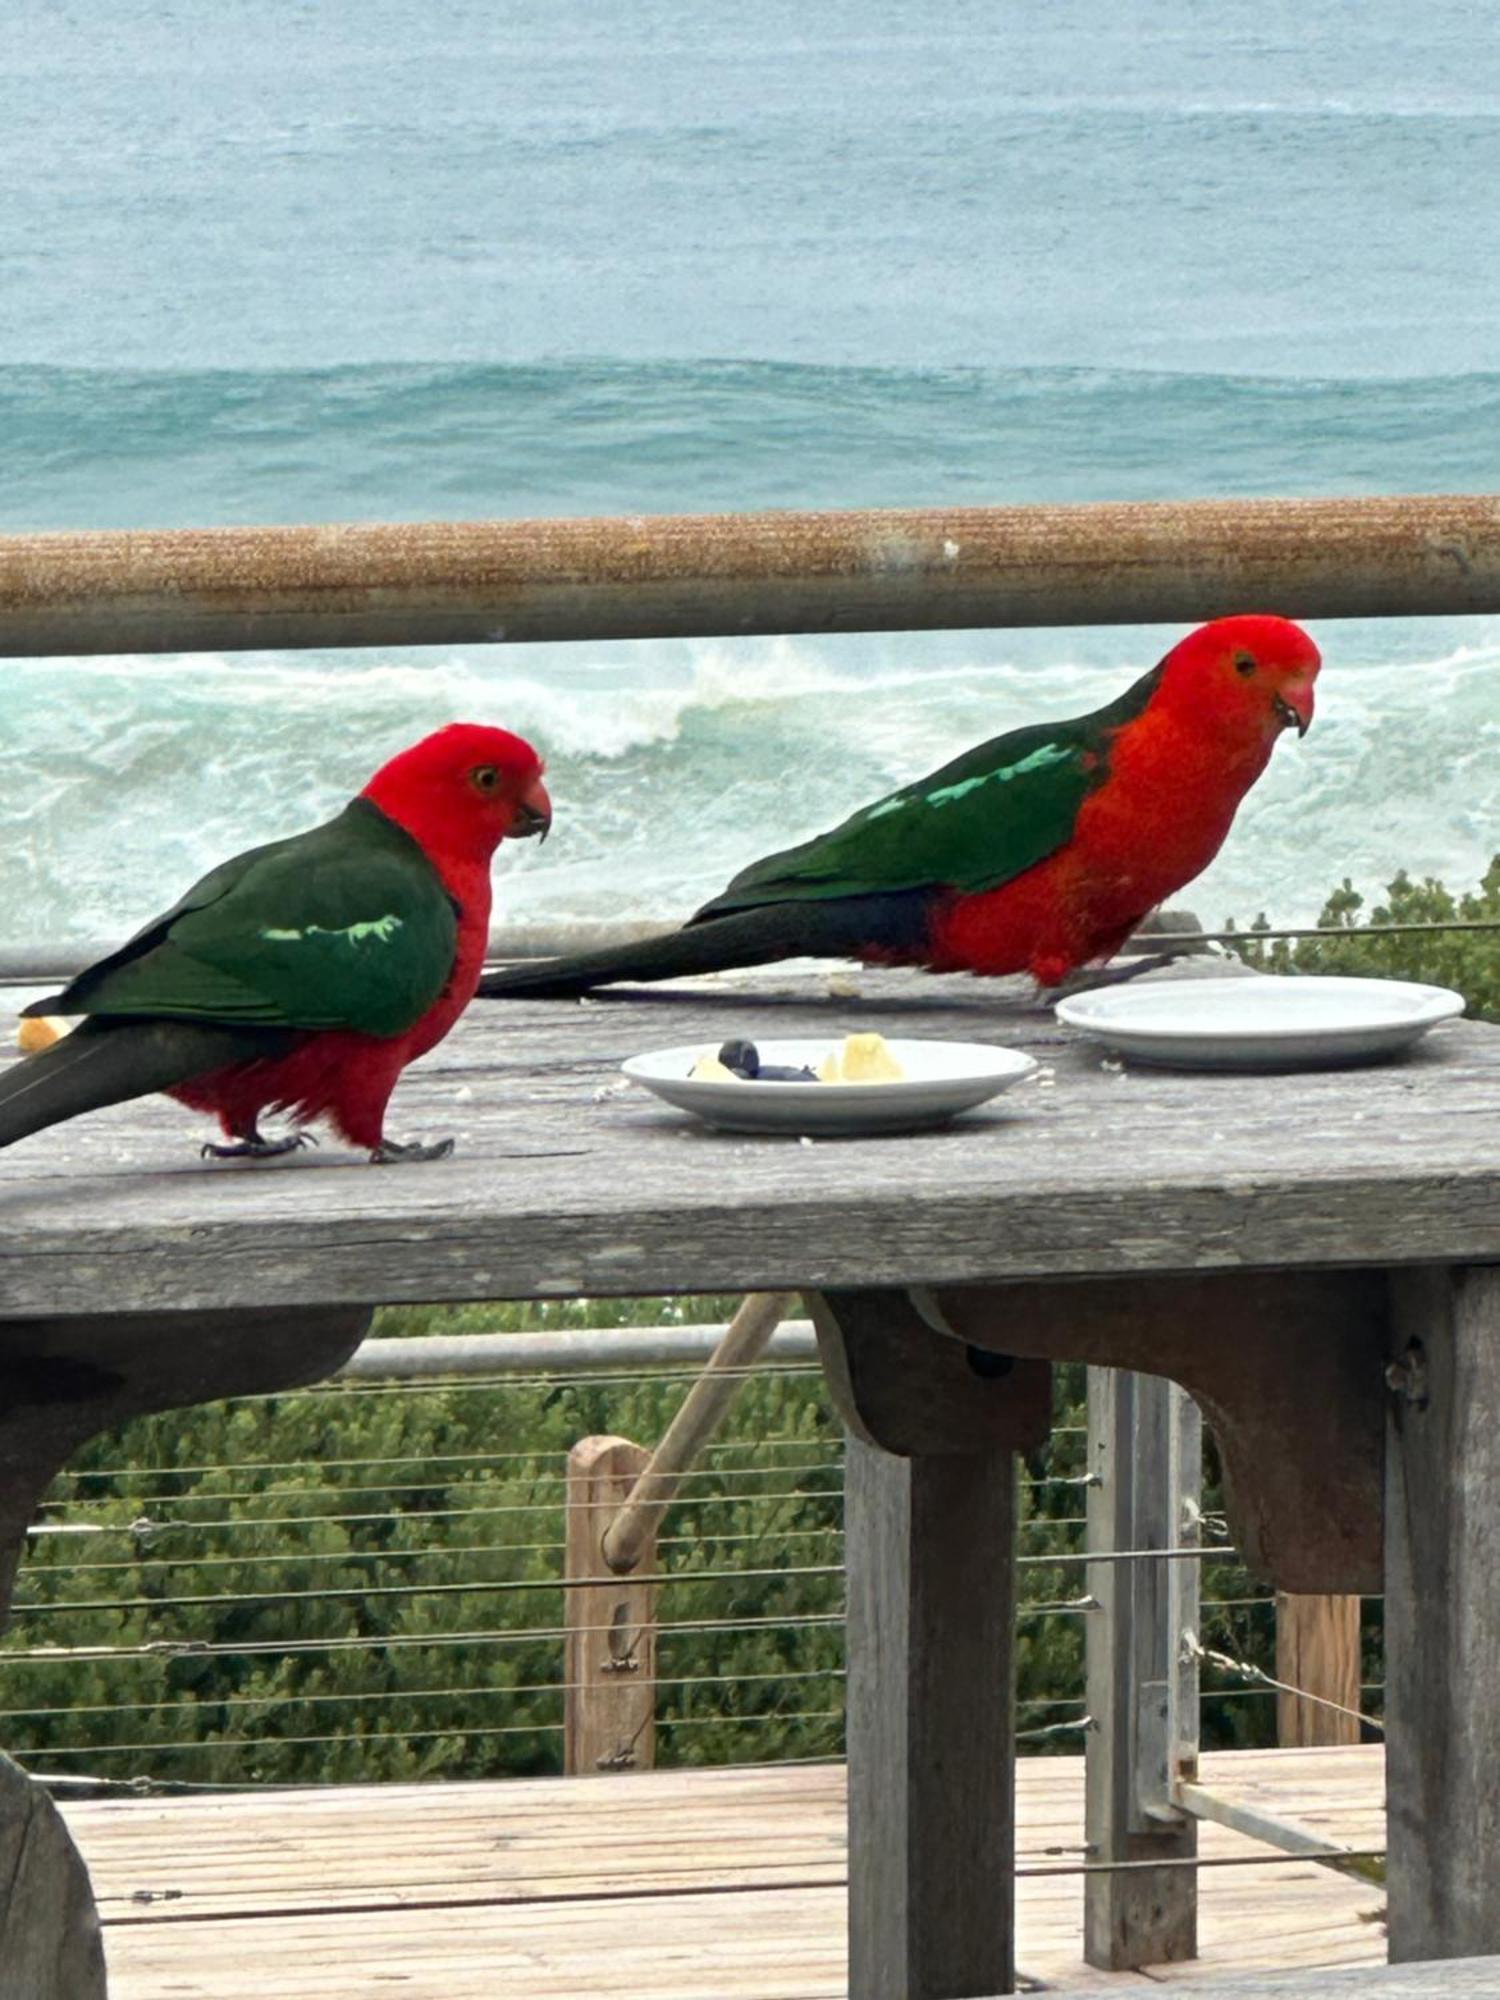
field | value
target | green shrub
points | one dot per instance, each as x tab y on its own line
1468	961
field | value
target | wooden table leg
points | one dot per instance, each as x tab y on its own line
50	1943
930	1544
1442	1615
930	1518
61	1382
1145	1449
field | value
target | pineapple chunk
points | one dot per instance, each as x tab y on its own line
862	1059
868	1060
708	1069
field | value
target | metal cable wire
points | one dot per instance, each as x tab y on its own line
551	1479
284	1698
364	1593
234	1523
305	1559
433	1551
1438	927
169	1649
280	1490
489	1586
1249	1671
200	1743
781	1442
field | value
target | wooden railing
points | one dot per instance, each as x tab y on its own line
487	582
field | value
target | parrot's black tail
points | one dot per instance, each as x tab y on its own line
105	1062
890	926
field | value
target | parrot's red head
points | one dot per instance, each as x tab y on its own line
463	790
1251	676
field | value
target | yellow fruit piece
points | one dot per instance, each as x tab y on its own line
862	1059
708	1069
867	1059
40	1031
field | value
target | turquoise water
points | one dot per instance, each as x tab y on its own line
360	259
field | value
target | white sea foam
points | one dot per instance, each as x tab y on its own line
673	765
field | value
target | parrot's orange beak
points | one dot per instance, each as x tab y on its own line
533	813
1294	705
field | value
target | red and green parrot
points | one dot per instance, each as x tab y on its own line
302	977
1039	851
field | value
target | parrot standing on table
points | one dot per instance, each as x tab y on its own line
1039	851
303	976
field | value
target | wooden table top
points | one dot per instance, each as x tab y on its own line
562	1186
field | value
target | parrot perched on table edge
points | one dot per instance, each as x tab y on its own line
304	975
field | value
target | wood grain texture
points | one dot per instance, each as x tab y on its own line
50	1946
1447	1979
902	1386
1133	1650
931	1724
609	1657
865	569
1088	1170
1442	1616
62	1380
1317	1648
671	1885
1288	1369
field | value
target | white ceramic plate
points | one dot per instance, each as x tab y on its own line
1261	1023
942	1079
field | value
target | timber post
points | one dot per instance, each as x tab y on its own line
609	1655
618	1493
930	1533
1317	1649
1145	1458
1442	1613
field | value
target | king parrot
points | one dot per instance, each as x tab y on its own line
1039	851
303	976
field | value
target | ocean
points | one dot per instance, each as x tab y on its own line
297	260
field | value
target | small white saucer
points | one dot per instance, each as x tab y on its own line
942	1079
1261	1023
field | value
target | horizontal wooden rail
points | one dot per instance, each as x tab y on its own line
432	583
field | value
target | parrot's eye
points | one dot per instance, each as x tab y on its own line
1244	663
484	778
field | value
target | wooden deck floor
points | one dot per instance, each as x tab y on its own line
704	1885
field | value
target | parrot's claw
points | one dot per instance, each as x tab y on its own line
254	1147
389	1154
1087	978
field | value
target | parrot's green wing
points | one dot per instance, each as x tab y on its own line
346	926
978	822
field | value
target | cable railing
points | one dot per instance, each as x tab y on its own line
257	1567
460	1616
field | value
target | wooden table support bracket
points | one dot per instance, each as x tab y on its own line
61	1382
1287	1367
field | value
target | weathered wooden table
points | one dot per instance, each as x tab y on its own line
1308	1254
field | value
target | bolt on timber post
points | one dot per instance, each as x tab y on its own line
617	1495
609	1657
